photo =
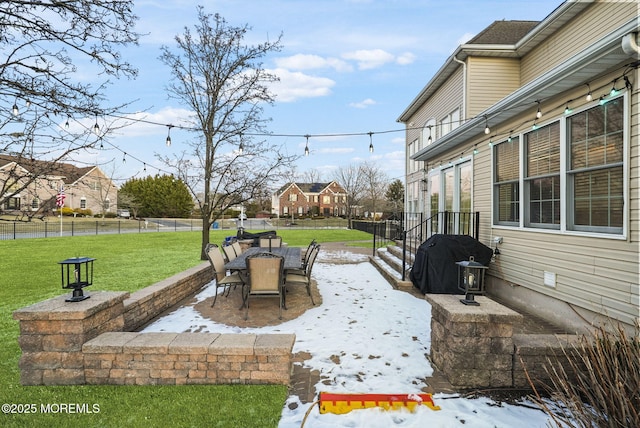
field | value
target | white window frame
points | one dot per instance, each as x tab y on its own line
566	192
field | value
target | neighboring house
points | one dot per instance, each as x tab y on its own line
86	188
326	199
535	126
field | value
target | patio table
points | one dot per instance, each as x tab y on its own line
292	257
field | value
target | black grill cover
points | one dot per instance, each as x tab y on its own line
435	270
255	236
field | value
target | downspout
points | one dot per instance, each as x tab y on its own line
464	89
630	44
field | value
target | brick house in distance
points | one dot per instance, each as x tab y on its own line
86	188
300	199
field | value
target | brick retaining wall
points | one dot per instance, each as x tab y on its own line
91	341
188	358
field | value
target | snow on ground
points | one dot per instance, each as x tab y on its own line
366	337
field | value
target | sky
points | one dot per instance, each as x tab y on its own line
346	67
346	325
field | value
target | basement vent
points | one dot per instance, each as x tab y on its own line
550	279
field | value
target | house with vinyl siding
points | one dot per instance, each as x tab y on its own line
31	186
535	126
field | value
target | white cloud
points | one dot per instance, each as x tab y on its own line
371	58
364	103
296	85
309	62
406	58
334	150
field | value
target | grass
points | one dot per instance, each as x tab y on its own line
125	262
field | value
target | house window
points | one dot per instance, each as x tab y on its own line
12	203
107	204
542	176
588	175
595	176
83	203
293	197
450	122
35	203
506	187
326	200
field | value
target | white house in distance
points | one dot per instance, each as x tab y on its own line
535	126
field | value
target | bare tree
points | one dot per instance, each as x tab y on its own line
222	81
351	179
42	44
375	182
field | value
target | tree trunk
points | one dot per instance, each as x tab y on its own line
206	225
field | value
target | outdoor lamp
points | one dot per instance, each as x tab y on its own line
471	279
77	273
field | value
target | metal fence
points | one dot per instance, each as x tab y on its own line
10	230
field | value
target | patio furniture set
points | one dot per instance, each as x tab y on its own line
266	270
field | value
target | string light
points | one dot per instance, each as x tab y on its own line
96	128
168	140
370	142
15	110
124	157
613	91
429	140
66	124
306	147
589	97
475	149
567	109
539	112
486	126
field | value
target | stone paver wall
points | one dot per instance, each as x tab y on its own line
473	345
74	343
188	358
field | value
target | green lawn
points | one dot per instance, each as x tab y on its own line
127	262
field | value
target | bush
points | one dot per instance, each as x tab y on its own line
83	212
600	387
66	211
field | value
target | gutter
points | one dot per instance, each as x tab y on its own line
463	116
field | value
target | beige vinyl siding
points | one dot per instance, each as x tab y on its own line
634	170
596	272
446	99
587	28
490	80
602	278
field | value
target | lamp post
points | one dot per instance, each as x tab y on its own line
471	279
77	273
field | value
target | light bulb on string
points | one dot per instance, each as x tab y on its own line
96	127
613	91
589	96
475	149
429	140
539	112
567	109
486	126
370	142
306	147
168	140
240	145
124	157
15	110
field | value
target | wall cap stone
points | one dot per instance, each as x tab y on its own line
57	308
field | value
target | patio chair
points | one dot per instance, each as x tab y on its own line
223	280
305	259
265	279
270	242
229	252
237	248
305	278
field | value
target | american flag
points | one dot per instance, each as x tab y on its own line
60	197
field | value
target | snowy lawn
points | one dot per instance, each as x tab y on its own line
366	337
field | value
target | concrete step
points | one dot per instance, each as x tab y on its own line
390	267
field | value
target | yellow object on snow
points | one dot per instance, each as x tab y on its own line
344	403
